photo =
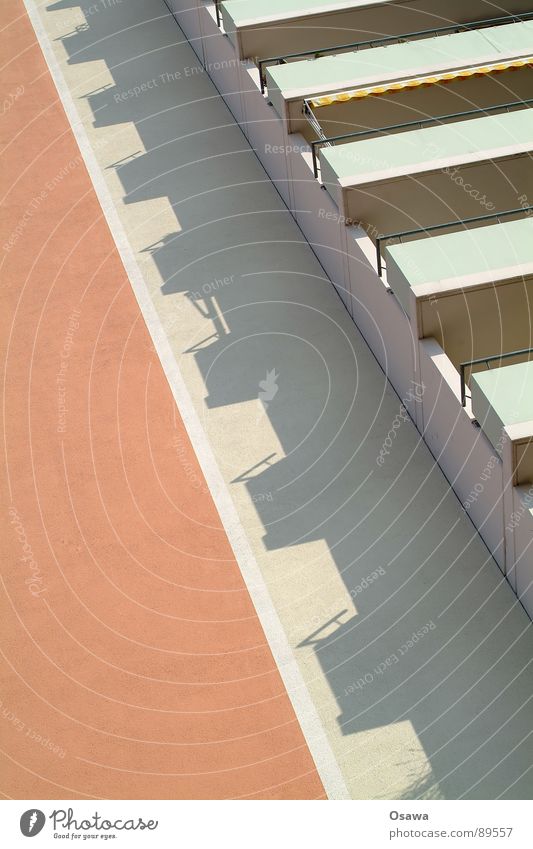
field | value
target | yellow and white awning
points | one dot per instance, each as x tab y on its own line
434	79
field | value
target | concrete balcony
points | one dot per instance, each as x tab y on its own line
258	30
502	401
430	176
372	88
470	290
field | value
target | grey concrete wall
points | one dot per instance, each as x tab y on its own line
520	527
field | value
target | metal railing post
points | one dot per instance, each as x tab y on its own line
379	257
315	159
262	80
463	385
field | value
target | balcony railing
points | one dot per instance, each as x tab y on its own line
330	141
487	361
460	222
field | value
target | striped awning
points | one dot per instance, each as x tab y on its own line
434	79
